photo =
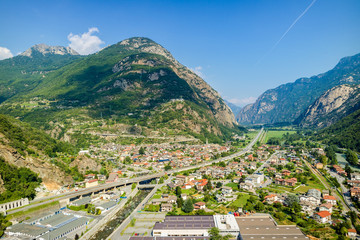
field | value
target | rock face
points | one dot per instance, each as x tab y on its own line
45	49
219	108
288	101
52	177
134	78
331	106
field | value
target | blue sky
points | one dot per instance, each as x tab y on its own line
233	45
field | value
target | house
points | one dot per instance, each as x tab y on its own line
184	196
355	176
227	191
220	198
180	179
171	199
92	183
113	177
307	208
329	199
271	169
247	186
351	233
355	192
313	196
286	172
322	217
271	198
199	205
197	196
319	165
166	207
200	184
326	207
286	182
299	170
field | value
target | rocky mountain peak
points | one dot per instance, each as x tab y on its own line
46	49
146	45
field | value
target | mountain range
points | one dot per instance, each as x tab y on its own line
288	102
136	84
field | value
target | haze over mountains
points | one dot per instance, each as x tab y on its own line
288	102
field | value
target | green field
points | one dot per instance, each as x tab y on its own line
277	134
241	201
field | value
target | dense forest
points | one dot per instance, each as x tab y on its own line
344	133
24	138
18	182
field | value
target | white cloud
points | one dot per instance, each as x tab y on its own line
199	71
85	43
5	53
241	101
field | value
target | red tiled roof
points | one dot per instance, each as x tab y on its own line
323	214
329	197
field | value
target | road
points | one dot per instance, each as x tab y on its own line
319	176
345	192
42	201
116	235
242	152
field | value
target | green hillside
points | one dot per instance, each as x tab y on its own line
344	133
131	83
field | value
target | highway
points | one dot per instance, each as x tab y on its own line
127	181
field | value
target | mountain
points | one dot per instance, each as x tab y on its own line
23	72
26	147
234	108
135	85
344	133
288	101
331	106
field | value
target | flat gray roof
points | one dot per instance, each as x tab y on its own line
57	220
82	201
29	230
186	222
63	230
263	227
108	204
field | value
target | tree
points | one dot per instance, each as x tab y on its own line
291	200
179	202
133	186
188	206
259	207
76	237
208	186
323	160
214	234
128	160
178	191
348	170
167	167
141	151
351	157
219	184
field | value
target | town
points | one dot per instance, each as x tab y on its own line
288	189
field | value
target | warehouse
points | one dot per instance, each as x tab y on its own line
262	227
184	226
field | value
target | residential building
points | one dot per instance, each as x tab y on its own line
330	199
326	207
322	217
92	183
166	207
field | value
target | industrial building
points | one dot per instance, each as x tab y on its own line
256	226
48	227
262	227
